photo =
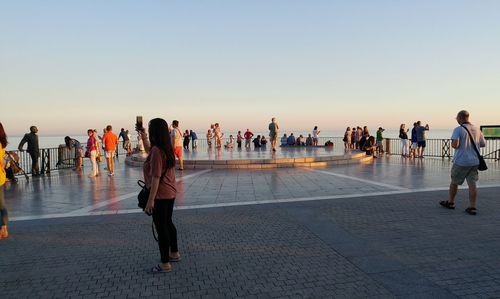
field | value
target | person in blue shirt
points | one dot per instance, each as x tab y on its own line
413	146
284	140
291	140
194	138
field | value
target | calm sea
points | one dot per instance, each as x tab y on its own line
55	141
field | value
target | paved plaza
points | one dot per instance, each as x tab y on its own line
373	229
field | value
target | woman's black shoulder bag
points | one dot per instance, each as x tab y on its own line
143	196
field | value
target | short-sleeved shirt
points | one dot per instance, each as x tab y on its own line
414	135
32	140
420	130
193	136
315	133
176	137
273	129
465	155
124	136
403	134
248	135
110	141
91	143
379	136
156	166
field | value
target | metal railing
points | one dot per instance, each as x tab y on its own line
57	158
442	148
63	158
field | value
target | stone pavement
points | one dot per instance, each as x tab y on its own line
354	231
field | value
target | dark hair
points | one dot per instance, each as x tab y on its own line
160	137
67	140
109	128
3	137
90	131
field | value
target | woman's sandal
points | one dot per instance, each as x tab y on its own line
471	211
159	269
174	259
447	204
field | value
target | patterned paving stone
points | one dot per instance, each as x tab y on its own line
358	231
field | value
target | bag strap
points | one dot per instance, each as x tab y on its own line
153	229
472	140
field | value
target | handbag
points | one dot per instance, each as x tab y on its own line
143	196
482	164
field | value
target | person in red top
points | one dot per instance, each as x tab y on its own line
248	138
110	140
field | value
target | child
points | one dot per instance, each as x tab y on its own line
229	144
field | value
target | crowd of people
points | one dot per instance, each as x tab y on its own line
359	138
105	145
165	143
355	138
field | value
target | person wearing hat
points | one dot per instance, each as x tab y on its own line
32	139
380	139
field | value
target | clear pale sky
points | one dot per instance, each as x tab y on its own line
66	66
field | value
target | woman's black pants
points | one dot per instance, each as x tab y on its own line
167	233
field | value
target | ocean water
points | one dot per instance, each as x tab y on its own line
55	141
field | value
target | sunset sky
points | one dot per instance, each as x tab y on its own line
66	66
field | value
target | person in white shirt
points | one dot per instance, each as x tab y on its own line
315	135
176	137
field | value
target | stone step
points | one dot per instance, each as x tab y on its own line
325	161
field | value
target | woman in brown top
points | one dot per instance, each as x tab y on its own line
159	176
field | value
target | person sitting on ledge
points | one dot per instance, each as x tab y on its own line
300	141
263	141
284	140
362	142
309	140
371	147
291	140
230	143
256	142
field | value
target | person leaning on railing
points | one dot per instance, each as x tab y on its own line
73	143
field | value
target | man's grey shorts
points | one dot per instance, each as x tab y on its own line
461	173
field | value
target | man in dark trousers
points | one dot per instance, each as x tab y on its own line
32	139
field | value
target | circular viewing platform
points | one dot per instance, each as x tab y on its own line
263	158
